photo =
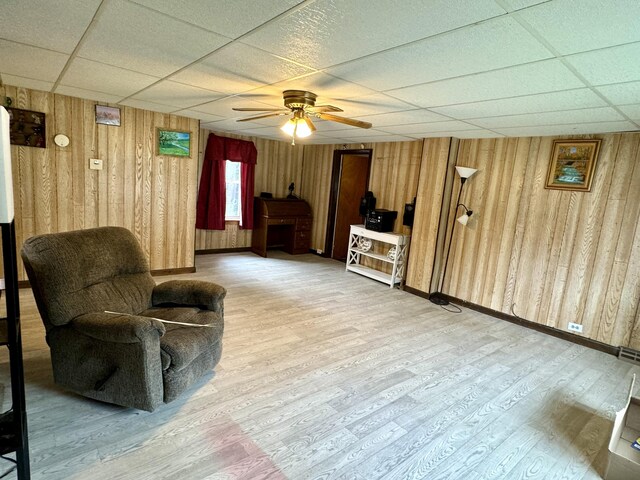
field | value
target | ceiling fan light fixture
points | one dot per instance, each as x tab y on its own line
298	126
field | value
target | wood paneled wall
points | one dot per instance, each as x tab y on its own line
153	196
395	167
426	239
316	188
551	256
279	164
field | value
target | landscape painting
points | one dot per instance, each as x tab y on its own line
174	143
572	164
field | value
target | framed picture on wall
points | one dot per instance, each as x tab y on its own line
572	164
27	128
173	143
108	115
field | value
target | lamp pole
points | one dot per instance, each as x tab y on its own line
464	172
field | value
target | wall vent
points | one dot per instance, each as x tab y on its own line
629	355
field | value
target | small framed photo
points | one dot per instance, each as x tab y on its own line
108	115
173	143
27	128
572	164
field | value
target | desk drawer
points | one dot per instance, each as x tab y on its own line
304	224
302	241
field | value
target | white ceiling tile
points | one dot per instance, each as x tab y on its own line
587	115
231	18
224	107
476	134
544	102
328	32
377	139
177	94
105	78
60	24
497	43
26	82
325	86
631	111
621	93
538	77
572	26
479	133
133	37
30	62
237	68
448	126
610	65
368	105
153	107
402	118
203	117
583	128
513	5
88	94
354	132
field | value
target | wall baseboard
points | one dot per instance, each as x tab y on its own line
223	250
173	271
585	342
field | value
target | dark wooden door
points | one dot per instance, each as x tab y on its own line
354	178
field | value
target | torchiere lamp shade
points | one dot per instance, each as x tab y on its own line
465	172
6	180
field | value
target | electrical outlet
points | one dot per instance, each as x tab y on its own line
575	327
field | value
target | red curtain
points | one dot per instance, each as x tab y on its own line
212	194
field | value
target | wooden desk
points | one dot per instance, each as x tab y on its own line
281	223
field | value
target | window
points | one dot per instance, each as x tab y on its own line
233	208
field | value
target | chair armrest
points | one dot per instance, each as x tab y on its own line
195	293
118	328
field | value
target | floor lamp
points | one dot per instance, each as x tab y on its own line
464	173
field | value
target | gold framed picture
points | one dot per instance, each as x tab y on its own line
173	143
572	164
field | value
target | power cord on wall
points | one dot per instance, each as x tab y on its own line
513	312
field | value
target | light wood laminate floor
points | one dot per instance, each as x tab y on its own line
330	375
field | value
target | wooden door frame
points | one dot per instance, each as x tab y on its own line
333	195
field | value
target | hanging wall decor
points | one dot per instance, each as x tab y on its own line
572	164
173	143
27	128
108	115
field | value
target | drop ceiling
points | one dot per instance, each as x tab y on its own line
414	69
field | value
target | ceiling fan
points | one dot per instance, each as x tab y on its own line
301	105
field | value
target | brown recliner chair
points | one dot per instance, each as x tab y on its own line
129	358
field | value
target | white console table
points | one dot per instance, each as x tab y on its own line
356	253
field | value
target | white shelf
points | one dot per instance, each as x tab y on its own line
372	273
398	241
377	256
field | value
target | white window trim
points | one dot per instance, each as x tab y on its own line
235	218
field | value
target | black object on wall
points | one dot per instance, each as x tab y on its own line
409	211
367	203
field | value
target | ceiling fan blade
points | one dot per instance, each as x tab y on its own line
260	109
266	115
323	108
309	123
346	121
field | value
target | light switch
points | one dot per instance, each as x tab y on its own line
95	164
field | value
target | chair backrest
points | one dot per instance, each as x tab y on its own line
93	270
